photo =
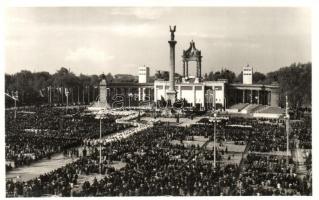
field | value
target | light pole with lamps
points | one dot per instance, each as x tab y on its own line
287	117
214	144
100	166
67	97
215	115
15	98
100	117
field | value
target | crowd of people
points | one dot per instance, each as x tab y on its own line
45	131
271	175
154	165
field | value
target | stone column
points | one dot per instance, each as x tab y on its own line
172	65
269	98
194	95
251	96
139	94
199	69
184	68
155	93
258	97
143	94
171	93
243	96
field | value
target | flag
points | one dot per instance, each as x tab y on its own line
59	89
41	93
66	91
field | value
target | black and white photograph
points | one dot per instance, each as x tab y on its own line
113	101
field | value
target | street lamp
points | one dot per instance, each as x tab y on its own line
100	117
287	117
215	115
67	98
15	98
100	166
214	144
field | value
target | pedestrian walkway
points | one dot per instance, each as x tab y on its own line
43	166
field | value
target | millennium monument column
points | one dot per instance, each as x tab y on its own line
171	93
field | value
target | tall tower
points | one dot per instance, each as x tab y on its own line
143	74
171	93
248	75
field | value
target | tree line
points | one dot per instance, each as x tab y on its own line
34	88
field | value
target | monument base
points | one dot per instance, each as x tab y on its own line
98	105
171	96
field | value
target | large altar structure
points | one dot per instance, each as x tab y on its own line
192	88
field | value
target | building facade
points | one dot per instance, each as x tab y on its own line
191	88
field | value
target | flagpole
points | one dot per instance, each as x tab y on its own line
78	95
287	128
88	94
50	95
83	95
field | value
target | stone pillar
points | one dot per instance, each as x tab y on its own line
243	96
103	91
269	98
194	95
144	94
184	68
197	69
155	93
171	93
251	96
139	94
258	96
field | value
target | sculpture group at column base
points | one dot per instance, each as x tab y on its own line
171	96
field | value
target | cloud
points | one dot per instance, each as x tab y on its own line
141	13
88	54
143	30
195	34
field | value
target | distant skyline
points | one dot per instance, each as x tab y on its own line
95	40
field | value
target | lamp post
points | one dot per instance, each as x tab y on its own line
287	117
15	98
100	116
215	115
67	98
214	144
100	166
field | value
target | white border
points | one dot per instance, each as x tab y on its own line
170	3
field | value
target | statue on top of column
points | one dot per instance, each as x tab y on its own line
172	32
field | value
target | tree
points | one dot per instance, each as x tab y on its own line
223	74
258	77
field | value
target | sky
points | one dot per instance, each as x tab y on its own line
95	40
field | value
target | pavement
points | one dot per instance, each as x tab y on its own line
182	121
43	166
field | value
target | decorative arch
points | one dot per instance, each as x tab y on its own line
192	54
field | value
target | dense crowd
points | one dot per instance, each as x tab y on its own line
46	131
154	165
271	175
